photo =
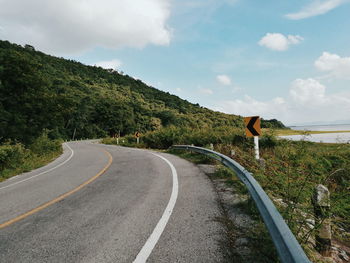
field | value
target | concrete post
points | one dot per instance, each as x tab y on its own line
256	147
323	235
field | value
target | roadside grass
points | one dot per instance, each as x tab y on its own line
15	158
293	169
290	172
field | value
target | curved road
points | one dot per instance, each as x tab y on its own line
99	203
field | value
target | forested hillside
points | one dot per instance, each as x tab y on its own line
68	99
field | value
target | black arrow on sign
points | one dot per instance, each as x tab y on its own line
250	126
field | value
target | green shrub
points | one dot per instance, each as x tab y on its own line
43	145
11	156
166	137
15	158
268	141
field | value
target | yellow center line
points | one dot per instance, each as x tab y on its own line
57	199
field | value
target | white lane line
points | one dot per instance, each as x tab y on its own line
53	168
158	230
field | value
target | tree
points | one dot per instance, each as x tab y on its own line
23	100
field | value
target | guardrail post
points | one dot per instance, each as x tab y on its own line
323	236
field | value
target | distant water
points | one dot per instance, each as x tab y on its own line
338	127
325	137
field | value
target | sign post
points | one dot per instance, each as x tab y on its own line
137	135
253	129
256	147
118	136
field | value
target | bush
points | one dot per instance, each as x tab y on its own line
11	156
43	145
15	158
166	137
268	141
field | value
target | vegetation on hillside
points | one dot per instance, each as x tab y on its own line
64	99
72	100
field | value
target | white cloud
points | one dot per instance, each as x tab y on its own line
69	27
307	92
279	42
316	8
249	106
307	102
336	66
205	91
294	40
224	80
110	64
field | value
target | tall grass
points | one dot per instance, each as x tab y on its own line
290	173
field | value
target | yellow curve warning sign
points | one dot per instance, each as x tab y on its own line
252	125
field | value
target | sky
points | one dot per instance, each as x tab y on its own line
288	60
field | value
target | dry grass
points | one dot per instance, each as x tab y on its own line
286	132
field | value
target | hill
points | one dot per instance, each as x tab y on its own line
68	99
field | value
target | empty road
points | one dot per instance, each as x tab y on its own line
99	203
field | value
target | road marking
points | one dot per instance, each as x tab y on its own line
43	206
53	168
158	230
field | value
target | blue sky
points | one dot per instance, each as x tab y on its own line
276	59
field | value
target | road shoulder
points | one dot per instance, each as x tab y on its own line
193	233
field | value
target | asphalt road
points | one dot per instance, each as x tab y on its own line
99	203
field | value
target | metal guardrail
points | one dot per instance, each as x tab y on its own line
288	248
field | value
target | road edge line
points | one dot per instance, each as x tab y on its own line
152	240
